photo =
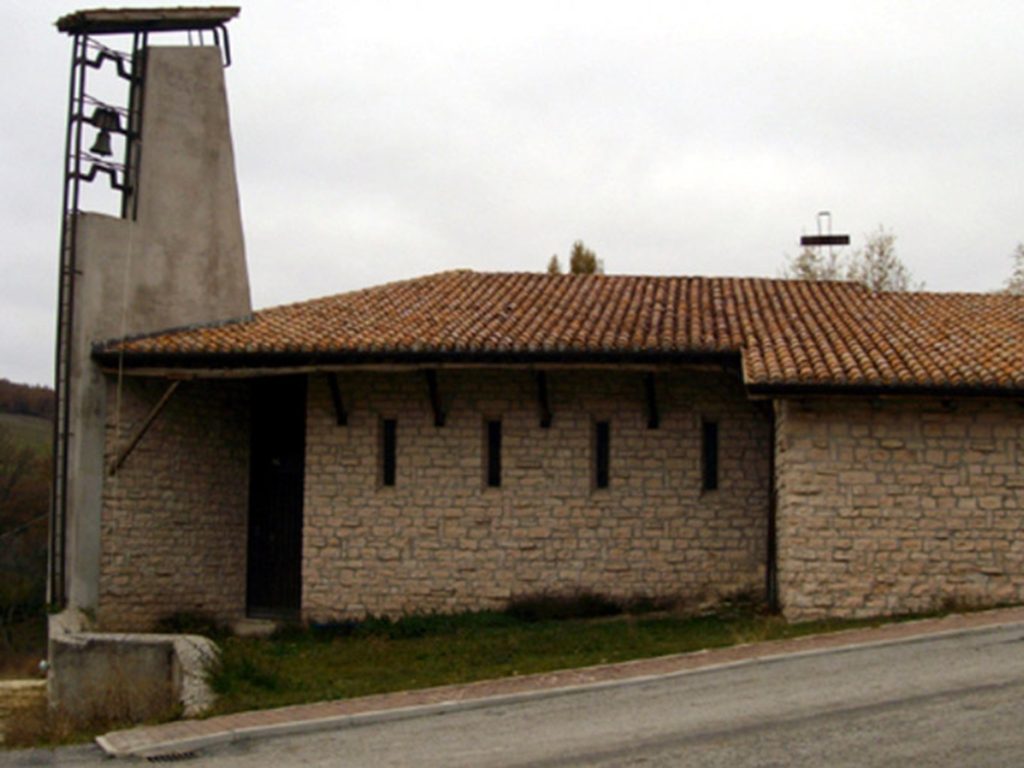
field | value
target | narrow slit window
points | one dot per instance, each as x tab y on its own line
494	454
602	453
388	449
709	452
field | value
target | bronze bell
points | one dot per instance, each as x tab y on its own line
107	120
102	144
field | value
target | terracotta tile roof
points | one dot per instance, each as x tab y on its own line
787	333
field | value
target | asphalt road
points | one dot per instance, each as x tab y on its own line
945	701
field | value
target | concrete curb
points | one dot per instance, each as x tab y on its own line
313	725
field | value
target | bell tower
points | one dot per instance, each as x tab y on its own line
151	233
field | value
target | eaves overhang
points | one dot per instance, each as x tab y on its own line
158	364
137	362
791	390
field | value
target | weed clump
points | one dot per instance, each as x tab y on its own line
191	623
413	626
582	604
559	607
235	672
117	706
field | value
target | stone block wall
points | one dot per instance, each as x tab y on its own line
440	539
898	505
174	516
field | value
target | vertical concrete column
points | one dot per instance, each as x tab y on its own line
180	262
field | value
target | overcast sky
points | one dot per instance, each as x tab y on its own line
382	140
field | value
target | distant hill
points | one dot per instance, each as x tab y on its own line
26	399
34	432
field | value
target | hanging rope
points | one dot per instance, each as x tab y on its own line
119	390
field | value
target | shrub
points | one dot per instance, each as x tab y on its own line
556	607
233	672
119	705
191	623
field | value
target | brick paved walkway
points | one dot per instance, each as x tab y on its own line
186	735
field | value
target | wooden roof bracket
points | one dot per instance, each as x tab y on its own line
143	428
653	419
435	397
339	405
543	401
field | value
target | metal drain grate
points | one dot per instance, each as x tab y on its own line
171	757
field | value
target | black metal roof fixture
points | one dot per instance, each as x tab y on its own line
105	21
827	238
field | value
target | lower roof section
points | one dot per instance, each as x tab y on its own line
786	334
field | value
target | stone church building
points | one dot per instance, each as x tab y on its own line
454	441
450	442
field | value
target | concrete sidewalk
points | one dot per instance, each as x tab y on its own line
189	735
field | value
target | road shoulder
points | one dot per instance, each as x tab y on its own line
185	736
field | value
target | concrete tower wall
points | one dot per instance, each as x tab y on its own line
180	262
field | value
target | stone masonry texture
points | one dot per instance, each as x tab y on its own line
883	505
441	540
898	505
174	515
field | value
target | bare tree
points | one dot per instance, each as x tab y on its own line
812	265
1015	283
24	483
876	265
15	462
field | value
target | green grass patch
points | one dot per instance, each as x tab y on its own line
346	660
32	431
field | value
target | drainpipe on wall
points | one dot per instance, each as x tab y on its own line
771	571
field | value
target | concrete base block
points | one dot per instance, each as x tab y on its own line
97	675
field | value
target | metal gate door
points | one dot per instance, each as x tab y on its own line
277	461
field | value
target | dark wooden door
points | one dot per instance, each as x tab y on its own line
276	469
